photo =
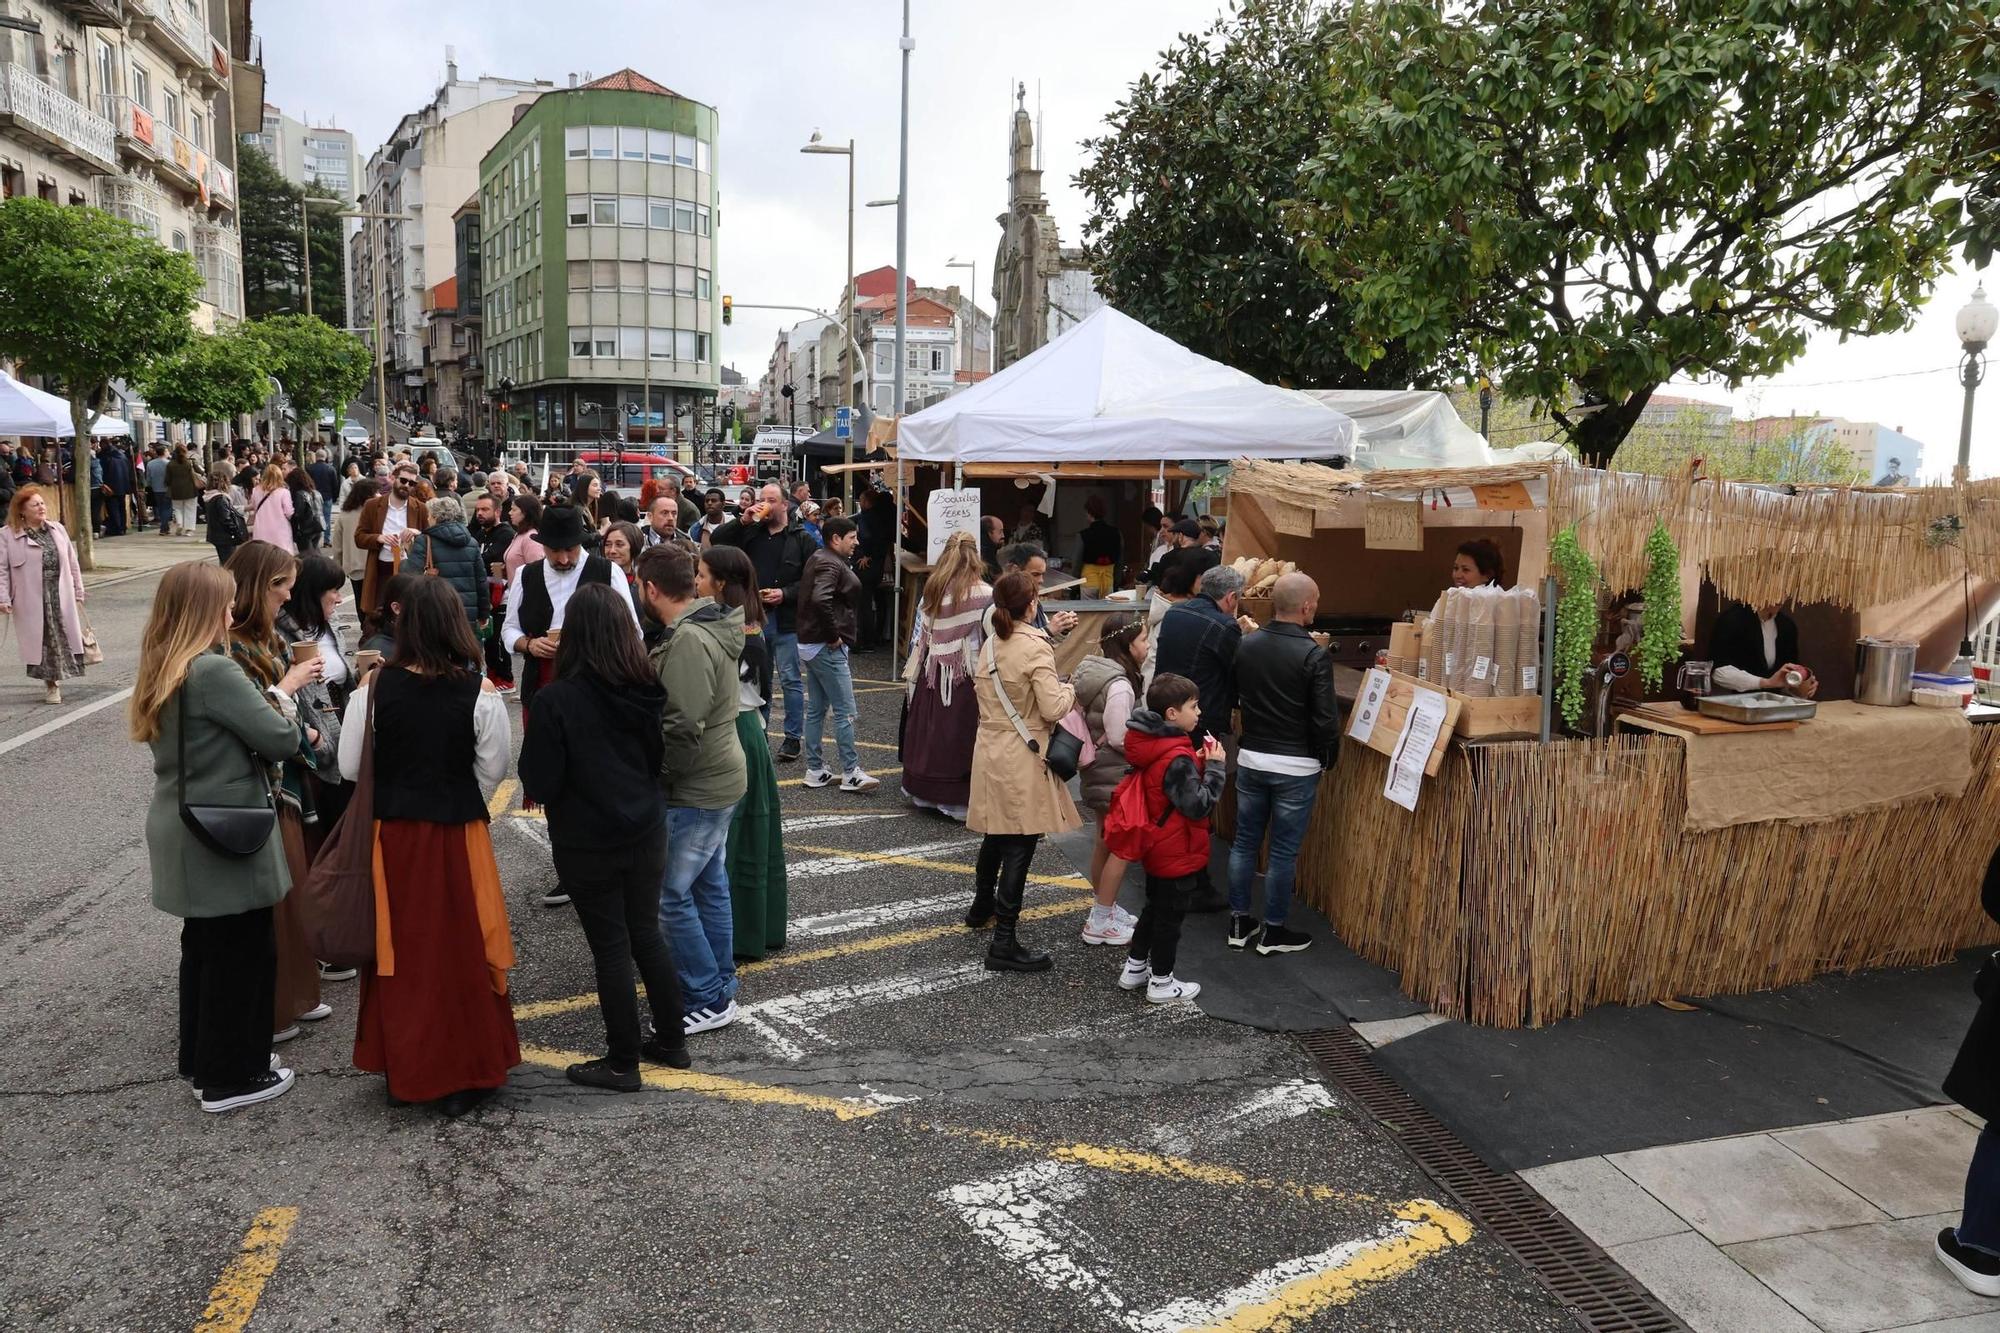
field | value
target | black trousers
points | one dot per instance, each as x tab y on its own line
616	894
876	628
1157	937
1000	875
229	973
499	661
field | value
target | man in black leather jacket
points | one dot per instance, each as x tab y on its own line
1291	734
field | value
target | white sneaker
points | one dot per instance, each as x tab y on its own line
1137	973
556	897
286	1035
1104	927
328	972
856	780
818	777
1125	918
1166	990
316	1013
708	1020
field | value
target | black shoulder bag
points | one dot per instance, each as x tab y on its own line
226	830
1065	752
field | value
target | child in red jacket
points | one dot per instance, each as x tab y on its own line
1181	786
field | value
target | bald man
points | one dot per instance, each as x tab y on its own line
1291	735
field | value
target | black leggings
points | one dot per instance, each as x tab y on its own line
1157	937
617	900
1001	873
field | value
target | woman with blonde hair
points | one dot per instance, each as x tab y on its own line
264	577
943	716
271	510
211	733
41	587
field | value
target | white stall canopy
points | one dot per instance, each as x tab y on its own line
1401	429
1111	388
26	410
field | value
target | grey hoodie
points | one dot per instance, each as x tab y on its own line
701	765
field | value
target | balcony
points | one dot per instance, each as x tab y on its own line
174	31
221	186
138	139
67	128
127	198
180	164
93	13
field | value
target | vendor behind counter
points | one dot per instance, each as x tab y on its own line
1758	649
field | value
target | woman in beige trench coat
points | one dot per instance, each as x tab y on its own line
1015	798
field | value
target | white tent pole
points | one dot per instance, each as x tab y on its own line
896	598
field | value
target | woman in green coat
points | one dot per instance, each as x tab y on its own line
203	718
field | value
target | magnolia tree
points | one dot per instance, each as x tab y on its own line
87	299
217	376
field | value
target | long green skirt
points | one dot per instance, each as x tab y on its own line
757	848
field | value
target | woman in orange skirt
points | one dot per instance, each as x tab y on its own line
434	1012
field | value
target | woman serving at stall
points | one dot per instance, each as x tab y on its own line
1477	564
1758	650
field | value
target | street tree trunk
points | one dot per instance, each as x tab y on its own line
1598	435
81	530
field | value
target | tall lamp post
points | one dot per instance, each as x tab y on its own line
306	241
376	262
847	315
1977	323
972	284
903	215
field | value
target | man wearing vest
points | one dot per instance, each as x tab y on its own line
541	591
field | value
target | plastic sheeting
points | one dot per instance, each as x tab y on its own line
1406	428
1111	388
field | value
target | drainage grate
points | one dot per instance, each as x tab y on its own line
1600	1294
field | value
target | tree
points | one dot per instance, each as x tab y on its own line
215	377
1185	233
320	367
269	219
87	298
1593	196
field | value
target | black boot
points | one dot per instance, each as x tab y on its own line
1006	953
986	870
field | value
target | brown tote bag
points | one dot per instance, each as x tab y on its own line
339	890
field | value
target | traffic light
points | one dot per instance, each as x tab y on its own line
728	308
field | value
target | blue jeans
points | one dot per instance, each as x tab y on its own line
785	655
1979	1225
326	520
1284	805
830	682
163	511
695	914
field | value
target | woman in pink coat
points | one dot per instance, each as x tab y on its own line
41	588
271	510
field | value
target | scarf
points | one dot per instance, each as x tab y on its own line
949	646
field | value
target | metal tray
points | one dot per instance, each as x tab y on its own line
1759	706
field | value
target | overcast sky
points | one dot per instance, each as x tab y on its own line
778	69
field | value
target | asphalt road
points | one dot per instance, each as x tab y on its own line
893	1138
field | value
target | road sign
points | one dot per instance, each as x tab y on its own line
843	423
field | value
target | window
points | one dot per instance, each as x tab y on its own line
535	155
142	87
937	360
683	152
579	275
701	219
683	344
631	210
683	280
660	278
579	210
195	131
632	145
659	344
659	145
579	343
632	343
632	275
701	348
701	283
683	216
604	275
603	141
576	141
170	108
603	345
660	214
104	68
701	155
604	210
915	358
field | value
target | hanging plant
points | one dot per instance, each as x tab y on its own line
1576	622
1660	643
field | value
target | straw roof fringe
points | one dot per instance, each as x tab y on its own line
1855	546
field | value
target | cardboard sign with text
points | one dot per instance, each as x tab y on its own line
950	511
1382	726
1394	525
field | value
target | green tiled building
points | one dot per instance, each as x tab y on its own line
599	218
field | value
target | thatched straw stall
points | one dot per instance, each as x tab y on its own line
1534	880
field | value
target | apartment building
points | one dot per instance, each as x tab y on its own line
304	154
130	106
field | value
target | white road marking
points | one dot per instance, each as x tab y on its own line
1261	1109
802	823
33	734
866	918
790	1022
820	867
1016	1213
1205	1312
534	830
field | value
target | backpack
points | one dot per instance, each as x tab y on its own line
1128	829
225	522
306	527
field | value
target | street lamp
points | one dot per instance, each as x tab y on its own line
1977	323
907	45
305	239
381	384
847	313
972	284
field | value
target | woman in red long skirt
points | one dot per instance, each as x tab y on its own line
434	1011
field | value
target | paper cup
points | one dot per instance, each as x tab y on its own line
304	652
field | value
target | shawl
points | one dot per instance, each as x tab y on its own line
947	648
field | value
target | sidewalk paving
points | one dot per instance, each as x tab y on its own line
139	553
1822	1229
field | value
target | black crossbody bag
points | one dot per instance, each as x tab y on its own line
226	830
1065	752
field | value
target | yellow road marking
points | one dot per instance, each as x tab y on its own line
236	1293
866	745
502	796
923	863
1040	911
713	1085
1436	1229
800	782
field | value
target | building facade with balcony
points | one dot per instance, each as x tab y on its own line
428	167
470	319
128	105
600	228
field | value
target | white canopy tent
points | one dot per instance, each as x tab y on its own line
26	410
1112	389
1401	429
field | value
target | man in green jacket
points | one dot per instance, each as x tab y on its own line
703	775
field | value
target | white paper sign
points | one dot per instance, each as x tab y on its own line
1527	680
1480	666
1413	749
948	512
1368	705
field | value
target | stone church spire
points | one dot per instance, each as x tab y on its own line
1026	180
